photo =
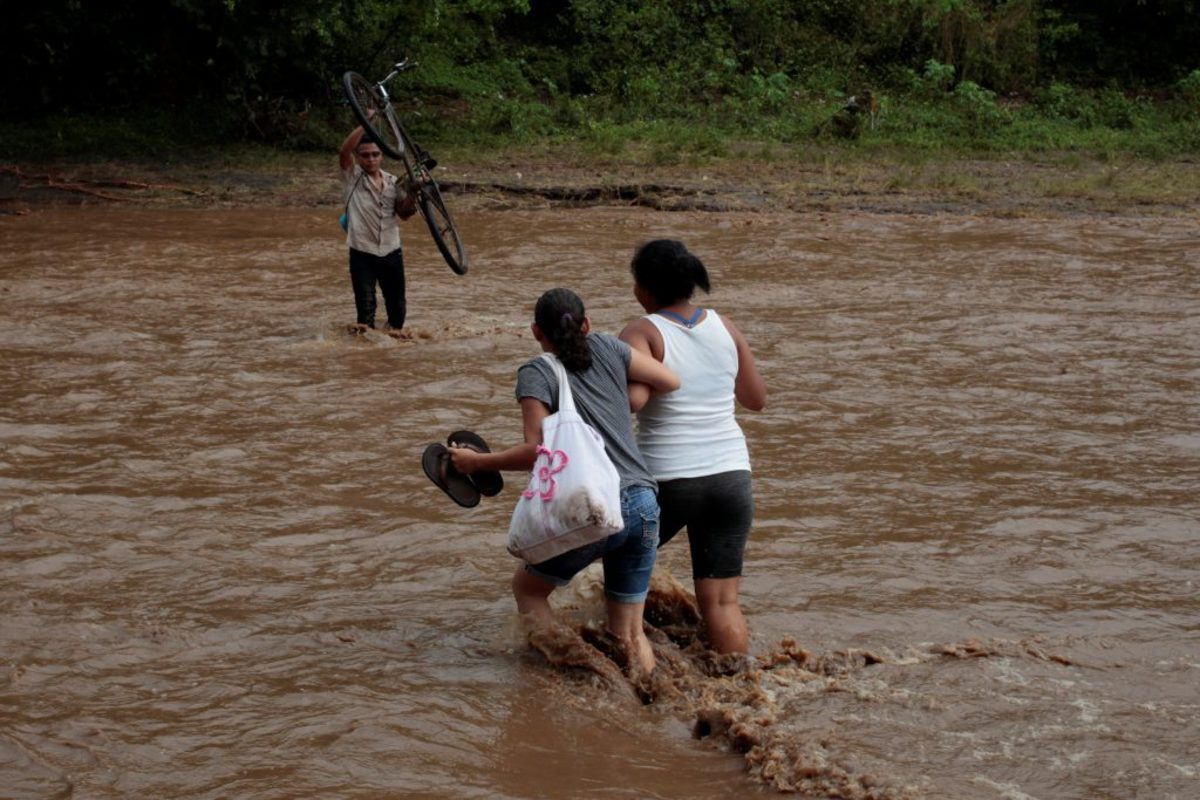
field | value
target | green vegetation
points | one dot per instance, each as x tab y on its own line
667	81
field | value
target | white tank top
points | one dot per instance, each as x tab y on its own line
692	431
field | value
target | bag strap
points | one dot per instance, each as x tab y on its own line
346	210
565	399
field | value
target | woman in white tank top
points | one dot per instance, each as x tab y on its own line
690	438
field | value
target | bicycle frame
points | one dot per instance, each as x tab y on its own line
381	86
385	100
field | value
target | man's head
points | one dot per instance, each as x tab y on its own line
370	157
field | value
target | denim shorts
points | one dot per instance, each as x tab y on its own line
628	554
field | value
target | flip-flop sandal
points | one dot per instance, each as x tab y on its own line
490	482
440	469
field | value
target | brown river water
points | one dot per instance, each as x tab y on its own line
223	573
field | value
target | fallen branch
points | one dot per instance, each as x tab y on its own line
55	181
116	184
72	187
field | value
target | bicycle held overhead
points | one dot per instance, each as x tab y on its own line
372	106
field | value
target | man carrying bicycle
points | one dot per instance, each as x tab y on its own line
375	203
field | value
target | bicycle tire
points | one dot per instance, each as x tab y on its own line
370	111
442	227
433	208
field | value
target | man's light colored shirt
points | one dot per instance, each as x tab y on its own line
372	225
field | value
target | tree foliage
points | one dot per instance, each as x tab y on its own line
261	69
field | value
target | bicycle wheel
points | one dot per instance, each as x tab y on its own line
441	226
418	163
374	114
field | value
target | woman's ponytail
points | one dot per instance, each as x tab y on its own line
559	314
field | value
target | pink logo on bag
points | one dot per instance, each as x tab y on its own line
556	462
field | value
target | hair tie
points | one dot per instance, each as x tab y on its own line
566	317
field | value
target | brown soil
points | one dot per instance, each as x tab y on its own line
994	187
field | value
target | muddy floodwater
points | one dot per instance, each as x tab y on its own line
223	573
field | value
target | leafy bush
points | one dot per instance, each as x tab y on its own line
978	108
768	93
1062	101
514	120
938	77
1115	110
1189	86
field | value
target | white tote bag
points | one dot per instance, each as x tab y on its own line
574	492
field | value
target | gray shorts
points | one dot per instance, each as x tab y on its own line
718	511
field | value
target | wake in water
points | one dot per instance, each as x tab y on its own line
351	333
783	711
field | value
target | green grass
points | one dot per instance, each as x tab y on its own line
962	145
961	123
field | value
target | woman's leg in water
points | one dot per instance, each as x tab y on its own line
627	570
532	595
625	623
624	619
723	620
718	511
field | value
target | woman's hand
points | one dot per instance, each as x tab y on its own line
639	395
465	459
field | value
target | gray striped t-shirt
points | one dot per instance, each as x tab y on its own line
602	398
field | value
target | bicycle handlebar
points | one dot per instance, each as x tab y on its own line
397	68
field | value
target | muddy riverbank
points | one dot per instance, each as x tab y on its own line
1017	187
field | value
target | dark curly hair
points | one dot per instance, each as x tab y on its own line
666	269
559	313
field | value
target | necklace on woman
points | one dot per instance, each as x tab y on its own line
687	322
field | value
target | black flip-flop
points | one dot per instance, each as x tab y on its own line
490	482
440	469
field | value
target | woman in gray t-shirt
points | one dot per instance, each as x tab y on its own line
599	369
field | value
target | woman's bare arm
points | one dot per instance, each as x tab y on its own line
643	337
644	368
748	388
519	457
